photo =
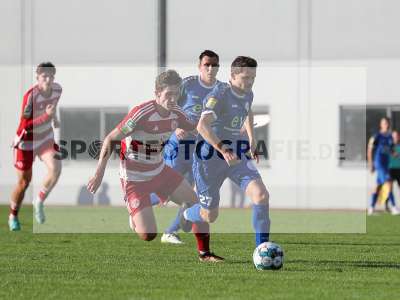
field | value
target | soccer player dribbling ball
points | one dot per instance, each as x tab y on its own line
35	137
143	133
226	110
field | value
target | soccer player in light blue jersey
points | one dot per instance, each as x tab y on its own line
380	148
178	152
221	153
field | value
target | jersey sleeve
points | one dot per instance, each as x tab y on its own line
131	122
183	120
213	102
28	122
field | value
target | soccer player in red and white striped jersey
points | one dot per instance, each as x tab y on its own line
143	134
35	137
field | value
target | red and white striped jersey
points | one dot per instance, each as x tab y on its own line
146	132
35	126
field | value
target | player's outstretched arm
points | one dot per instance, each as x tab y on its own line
105	153
204	128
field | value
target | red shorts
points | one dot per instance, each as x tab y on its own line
23	159
137	193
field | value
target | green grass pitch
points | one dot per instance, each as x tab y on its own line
120	266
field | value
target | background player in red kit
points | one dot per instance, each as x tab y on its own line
143	133
35	137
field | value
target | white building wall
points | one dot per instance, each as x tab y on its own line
105	52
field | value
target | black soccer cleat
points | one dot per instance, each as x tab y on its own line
185	225
210	257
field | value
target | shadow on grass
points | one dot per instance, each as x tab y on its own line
239	261
342	264
332	265
372	244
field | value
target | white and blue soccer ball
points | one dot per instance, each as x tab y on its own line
268	256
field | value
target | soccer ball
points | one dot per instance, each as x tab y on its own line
268	256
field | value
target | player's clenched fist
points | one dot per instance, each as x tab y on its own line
50	109
180	133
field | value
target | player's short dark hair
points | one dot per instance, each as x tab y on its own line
208	53
46	67
241	62
167	78
387	119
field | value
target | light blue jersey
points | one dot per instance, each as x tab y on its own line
383	146
230	111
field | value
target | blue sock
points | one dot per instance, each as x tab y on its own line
391	199
174	227
192	214
374	198
261	222
154	199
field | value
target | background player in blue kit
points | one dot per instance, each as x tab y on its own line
380	148
394	165
178	152
220	151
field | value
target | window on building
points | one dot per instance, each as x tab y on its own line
396	119
262	117
81	126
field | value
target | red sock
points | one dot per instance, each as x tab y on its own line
14	208
43	194
202	234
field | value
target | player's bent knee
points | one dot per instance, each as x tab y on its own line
209	216
261	196
147	236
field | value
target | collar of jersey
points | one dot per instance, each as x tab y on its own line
156	109
206	86
236	94
36	88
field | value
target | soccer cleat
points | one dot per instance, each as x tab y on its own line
171	238
394	211
186	225
13	224
39	211
370	211
210	257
